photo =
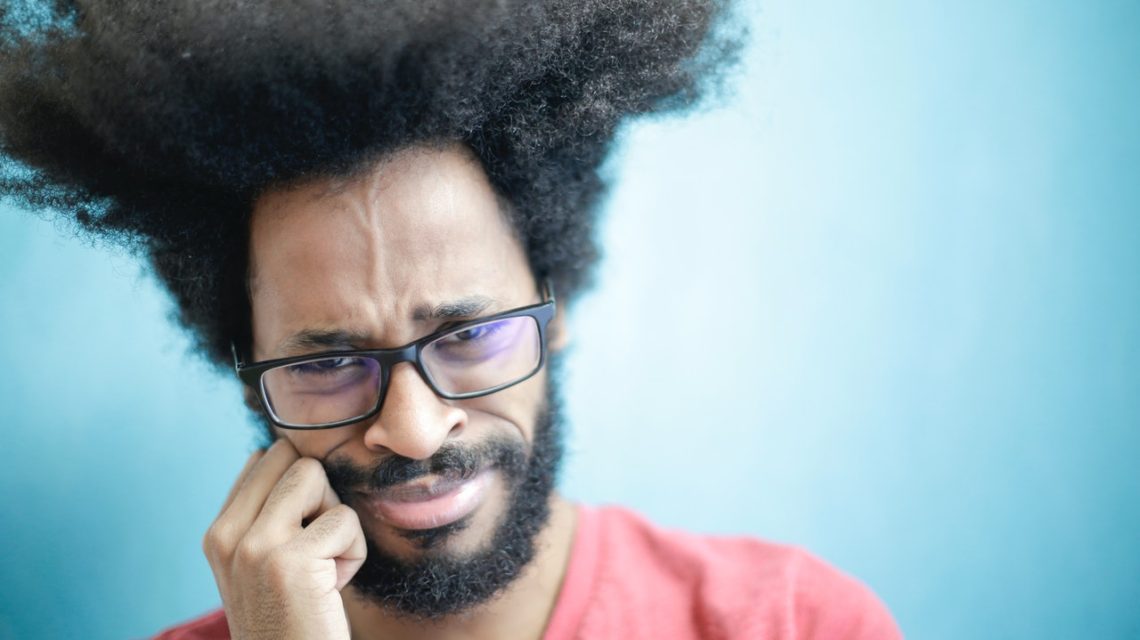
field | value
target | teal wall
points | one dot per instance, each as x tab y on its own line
885	303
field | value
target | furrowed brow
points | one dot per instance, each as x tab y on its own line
320	340
336	340
468	307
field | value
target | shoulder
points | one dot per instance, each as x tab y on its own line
734	586
211	626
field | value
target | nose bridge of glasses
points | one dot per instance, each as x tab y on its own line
389	358
409	418
410	409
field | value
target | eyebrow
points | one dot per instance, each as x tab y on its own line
468	307
322	340
337	339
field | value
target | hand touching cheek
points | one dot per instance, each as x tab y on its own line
282	548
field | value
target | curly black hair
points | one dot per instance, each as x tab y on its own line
156	123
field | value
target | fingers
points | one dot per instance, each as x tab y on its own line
302	492
267	563
248	500
335	534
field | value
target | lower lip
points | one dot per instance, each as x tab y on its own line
435	511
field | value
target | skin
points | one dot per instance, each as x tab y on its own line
368	256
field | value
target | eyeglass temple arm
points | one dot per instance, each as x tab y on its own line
238	364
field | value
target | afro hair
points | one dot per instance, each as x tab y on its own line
157	123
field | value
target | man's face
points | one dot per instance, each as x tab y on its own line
378	261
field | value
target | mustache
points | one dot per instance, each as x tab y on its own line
454	461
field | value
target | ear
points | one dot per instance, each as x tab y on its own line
558	332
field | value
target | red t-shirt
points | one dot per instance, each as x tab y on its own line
630	579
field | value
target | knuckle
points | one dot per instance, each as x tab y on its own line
305	469
217	540
298	473
278	566
333	520
248	553
345	514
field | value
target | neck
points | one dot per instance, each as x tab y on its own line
522	611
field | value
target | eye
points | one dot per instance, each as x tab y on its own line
474	333
325	366
477	342
323	377
476	336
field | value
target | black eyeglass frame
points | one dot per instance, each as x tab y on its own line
252	374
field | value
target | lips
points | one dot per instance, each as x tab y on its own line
433	501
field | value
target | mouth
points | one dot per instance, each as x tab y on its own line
430	502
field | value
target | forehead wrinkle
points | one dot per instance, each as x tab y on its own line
370	182
425	229
314	262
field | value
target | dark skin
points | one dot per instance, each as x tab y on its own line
367	256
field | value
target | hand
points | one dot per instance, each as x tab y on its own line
280	578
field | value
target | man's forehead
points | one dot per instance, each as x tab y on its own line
425	179
421	205
421	239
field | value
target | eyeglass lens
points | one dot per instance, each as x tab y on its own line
470	360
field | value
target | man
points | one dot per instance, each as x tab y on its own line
375	214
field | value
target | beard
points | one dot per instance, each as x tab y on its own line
433	586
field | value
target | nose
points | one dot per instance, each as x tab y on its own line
413	421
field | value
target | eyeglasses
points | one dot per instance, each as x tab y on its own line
463	361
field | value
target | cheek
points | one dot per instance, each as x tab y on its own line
518	406
515	408
316	443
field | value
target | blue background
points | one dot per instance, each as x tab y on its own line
883	303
